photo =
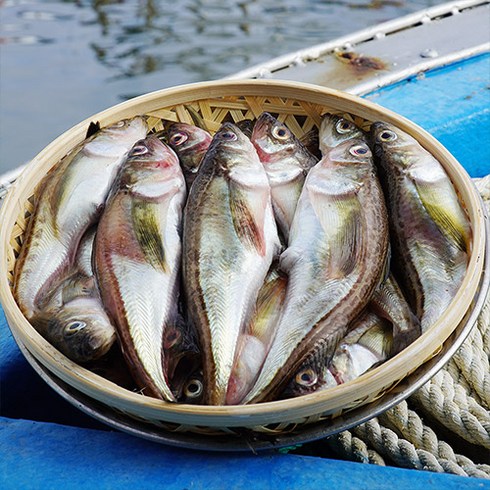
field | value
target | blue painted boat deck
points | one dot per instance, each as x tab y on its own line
47	443
44	455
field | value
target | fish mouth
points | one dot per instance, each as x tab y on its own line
263	125
92	348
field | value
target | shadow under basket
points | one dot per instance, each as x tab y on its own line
262	425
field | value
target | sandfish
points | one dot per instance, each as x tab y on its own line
286	162
367	344
190	143
230	239
72	317
68	200
335	129
254	343
137	257
389	302
430	232
335	259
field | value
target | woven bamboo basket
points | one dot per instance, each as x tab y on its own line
300	106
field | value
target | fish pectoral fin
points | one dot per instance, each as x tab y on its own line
268	306
378	339
340	216
148	231
346	256
76	286
385	274
248	213
448	217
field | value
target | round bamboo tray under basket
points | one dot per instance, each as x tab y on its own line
300	106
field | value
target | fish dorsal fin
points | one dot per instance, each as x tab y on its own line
93	128
248	213
148	230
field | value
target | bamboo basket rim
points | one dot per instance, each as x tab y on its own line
262	413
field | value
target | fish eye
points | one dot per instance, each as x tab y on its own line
119	124
344	126
228	135
307	377
358	150
388	135
74	327
193	388
178	138
139	150
280	132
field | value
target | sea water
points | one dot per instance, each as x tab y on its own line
62	61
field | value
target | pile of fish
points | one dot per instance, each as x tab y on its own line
242	267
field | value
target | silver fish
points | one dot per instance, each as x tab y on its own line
80	329
335	129
190	143
137	257
430	232
190	388
230	239
368	344
336	256
68	200
73	318
389	302
253	345
286	162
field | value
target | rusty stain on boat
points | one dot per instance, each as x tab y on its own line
344	68
360	63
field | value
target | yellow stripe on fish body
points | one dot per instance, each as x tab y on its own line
149	233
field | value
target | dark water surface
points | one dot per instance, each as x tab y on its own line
62	61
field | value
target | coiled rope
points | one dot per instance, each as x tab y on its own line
453	405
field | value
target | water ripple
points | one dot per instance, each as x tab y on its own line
86	55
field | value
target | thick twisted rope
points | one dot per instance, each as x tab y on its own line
357	450
405	454
473	364
448	403
458	397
